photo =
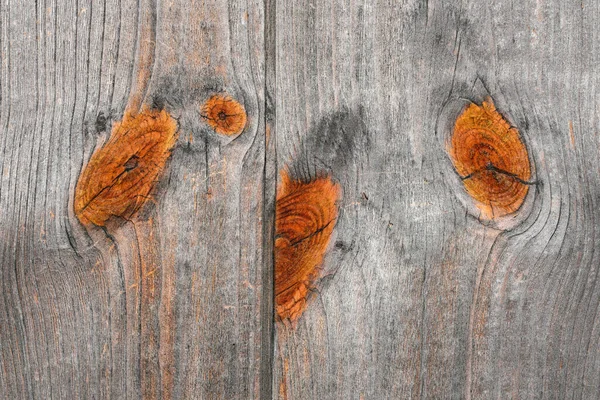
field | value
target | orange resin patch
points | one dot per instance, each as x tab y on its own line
225	115
491	159
119	176
306	214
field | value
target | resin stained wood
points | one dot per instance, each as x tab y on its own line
131	231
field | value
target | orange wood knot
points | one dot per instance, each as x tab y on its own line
225	115
306	214
491	159
119	176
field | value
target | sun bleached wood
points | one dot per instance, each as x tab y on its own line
428	300
167	302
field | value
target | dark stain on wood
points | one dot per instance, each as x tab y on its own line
339	139
224	114
491	159
119	176
306	214
100	123
181	89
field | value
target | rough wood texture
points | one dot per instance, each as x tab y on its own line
420	298
427	301
165	305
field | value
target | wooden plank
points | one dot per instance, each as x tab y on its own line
423	297
167	303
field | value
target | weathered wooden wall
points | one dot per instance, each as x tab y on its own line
167	305
421	298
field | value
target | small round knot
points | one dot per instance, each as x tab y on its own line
224	114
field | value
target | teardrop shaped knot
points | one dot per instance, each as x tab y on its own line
306	214
119	176
491	159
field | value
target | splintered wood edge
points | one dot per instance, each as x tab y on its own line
119	176
306	214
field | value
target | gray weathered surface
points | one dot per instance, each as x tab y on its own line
426	301
165	306
422	299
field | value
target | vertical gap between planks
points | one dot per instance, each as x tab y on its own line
269	194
